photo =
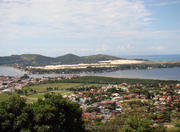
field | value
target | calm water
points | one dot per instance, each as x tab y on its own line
163	74
10	71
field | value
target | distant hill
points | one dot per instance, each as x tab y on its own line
69	59
26	59
99	57
39	60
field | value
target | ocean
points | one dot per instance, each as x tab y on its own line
154	57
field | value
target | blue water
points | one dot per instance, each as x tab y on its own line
160	74
155	57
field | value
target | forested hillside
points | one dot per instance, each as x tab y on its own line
39	60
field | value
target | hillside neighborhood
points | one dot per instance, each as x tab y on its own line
9	84
106	102
103	103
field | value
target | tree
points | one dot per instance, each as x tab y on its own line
175	115
137	124
25	76
130	120
51	114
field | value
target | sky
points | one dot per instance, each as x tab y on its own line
85	27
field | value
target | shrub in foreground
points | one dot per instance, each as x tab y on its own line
51	114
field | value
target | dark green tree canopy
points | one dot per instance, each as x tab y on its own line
51	114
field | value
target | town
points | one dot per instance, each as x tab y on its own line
9	84
107	101
102	102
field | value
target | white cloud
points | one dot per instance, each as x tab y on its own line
67	18
106	24
157	48
76	19
125	47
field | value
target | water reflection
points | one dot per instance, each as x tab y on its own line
164	74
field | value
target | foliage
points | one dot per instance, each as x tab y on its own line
137	124
130	120
25	76
110	80
52	114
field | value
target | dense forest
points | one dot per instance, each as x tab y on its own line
110	80
52	114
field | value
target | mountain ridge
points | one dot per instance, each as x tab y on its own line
41	60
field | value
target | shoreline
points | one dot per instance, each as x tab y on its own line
157	74
91	68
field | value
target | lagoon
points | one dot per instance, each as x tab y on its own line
161	74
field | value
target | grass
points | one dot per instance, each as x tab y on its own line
41	89
4	97
175	129
63	92
39	95
60	86
35	97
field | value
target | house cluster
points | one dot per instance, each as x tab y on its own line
168	99
9	84
103	103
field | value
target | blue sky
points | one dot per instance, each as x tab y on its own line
84	27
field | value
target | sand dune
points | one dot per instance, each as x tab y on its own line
111	63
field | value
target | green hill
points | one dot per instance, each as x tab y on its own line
69	59
40	60
99	57
26	60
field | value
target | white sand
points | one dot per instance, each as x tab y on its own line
120	62
111	63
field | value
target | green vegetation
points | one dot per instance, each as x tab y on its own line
39	60
99	57
25	76
139	113
60	86
130	120
32	93
133	119
26	59
110	80
52	114
4	97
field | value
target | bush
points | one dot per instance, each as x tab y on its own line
137	124
52	114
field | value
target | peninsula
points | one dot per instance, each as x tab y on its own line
70	63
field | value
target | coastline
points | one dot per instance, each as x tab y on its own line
99	68
158	73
